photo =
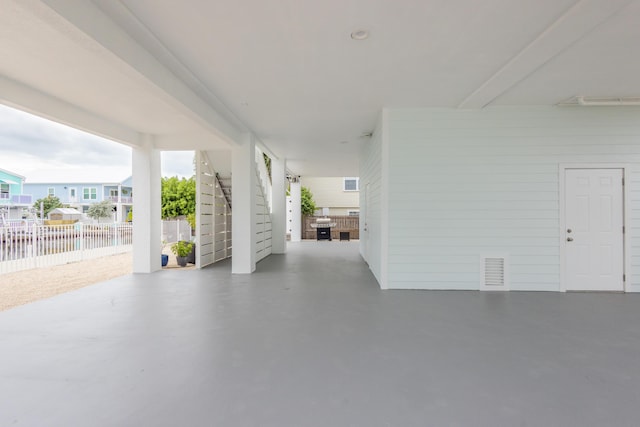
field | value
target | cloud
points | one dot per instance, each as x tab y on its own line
46	151
22	133
177	163
42	150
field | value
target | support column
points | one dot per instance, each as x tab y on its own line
279	206
243	193
296	209
119	205
147	206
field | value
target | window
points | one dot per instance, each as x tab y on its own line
351	184
4	191
72	193
89	193
51	191
113	192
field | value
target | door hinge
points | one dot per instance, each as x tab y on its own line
624	277
623	229
623	180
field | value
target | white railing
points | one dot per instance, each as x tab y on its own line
121	199
33	246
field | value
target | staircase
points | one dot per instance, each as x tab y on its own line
225	186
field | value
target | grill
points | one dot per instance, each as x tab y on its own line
323	228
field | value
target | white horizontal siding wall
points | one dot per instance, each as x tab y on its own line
213	216
222	242
371	161
262	222
463	183
205	202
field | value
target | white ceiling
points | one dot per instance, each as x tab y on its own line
198	72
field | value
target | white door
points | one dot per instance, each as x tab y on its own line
593	236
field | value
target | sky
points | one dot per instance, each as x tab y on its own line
44	151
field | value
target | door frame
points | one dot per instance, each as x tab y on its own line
626	261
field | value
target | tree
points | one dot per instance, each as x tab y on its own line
267	163
307	204
178	197
49	203
191	219
103	209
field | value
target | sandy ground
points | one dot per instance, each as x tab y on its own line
27	286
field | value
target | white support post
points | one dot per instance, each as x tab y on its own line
279	206
296	210
119	205
146	217
243	224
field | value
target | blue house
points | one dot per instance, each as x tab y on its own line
13	201
81	195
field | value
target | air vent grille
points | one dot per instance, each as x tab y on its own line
493	273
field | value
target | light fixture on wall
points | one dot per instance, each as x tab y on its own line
594	101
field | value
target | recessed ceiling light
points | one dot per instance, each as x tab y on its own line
360	34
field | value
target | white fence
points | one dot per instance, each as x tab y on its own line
33	245
174	230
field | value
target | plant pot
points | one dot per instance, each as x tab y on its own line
165	260
191	258
181	260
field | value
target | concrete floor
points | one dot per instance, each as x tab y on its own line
310	340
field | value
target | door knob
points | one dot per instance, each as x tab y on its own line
569	239
568	230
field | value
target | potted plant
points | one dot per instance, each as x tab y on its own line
181	250
165	258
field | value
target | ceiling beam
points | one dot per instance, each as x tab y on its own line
574	24
26	98
85	16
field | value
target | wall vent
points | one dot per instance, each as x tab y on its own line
493	273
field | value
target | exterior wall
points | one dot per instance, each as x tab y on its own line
61	191
15	201
213	216
40	190
463	183
328	192
371	206
14	189
263	240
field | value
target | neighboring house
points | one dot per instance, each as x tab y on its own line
81	195
334	195
12	197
